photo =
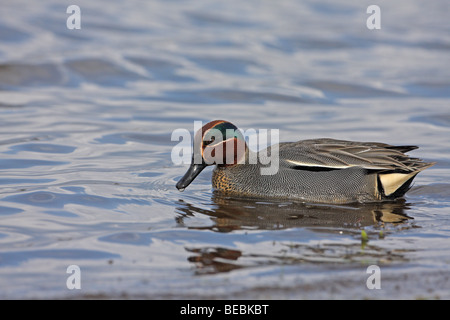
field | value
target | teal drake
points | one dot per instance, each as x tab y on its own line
317	170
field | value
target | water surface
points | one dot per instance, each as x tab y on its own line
86	176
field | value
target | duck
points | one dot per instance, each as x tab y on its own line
323	170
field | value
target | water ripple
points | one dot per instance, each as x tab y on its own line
59	200
86	175
18	257
27	163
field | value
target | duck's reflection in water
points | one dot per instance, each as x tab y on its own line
215	259
228	214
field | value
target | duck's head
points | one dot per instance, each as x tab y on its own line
219	143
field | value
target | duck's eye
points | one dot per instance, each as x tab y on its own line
207	142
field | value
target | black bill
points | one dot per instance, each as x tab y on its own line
190	175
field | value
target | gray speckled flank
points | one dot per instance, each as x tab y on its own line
324	170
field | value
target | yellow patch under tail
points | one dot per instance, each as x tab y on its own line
391	182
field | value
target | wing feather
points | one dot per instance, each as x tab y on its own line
341	154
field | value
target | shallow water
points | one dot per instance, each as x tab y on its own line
86	176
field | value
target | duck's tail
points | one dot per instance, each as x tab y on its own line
394	184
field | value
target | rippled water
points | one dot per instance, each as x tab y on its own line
86	176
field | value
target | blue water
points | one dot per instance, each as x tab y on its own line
87	179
